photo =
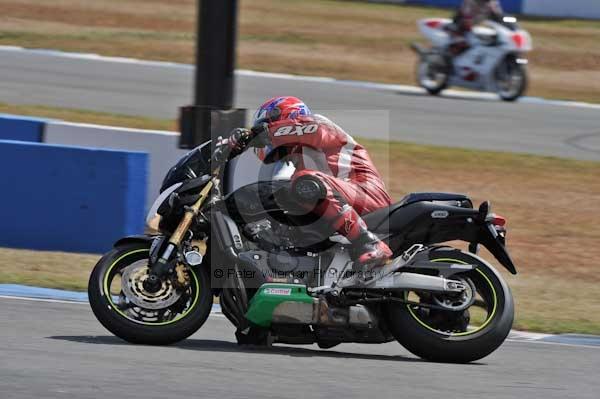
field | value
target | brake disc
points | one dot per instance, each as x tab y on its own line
132	284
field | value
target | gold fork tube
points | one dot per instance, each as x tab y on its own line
190	213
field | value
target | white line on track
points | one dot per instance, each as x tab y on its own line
313	79
552	343
517	336
22	298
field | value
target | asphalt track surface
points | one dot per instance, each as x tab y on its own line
58	350
390	113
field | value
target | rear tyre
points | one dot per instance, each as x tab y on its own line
433	73
445	336
156	323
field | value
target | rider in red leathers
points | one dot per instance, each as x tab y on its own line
327	161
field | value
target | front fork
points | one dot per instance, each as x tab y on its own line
164	263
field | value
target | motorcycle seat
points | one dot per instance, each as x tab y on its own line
378	221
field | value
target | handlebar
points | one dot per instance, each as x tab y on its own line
223	150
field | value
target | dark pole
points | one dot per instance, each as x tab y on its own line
212	113
215	53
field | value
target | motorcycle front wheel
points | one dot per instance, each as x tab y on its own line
461	335
122	304
511	80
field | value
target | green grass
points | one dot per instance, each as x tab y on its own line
73	115
551	206
46	269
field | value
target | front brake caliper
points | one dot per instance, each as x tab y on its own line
183	278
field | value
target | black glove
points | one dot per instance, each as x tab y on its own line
231	147
238	141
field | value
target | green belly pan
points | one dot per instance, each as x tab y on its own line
271	295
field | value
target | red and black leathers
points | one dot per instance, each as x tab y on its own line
353	186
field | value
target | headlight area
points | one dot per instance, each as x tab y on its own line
152	223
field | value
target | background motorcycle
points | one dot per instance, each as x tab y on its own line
493	62
283	277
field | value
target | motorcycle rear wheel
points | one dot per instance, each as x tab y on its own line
432	73
421	332
186	312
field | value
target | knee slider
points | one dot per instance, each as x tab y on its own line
309	188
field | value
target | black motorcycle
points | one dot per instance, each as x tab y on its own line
283	276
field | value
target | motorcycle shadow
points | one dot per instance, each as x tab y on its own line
209	345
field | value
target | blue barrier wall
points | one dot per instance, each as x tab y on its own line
436	3
509	6
21	128
589	9
69	198
512	6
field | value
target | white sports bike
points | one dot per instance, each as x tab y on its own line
492	62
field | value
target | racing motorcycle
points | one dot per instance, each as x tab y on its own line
492	62
283	276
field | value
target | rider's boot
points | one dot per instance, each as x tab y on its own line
369	251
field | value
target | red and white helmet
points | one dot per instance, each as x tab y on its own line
279	108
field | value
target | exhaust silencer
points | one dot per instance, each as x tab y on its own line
320	313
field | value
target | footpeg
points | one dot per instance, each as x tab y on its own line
411	252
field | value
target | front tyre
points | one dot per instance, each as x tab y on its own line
121	304
511	79
456	336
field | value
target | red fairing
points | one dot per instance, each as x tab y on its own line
434	23
498	220
519	40
317	144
